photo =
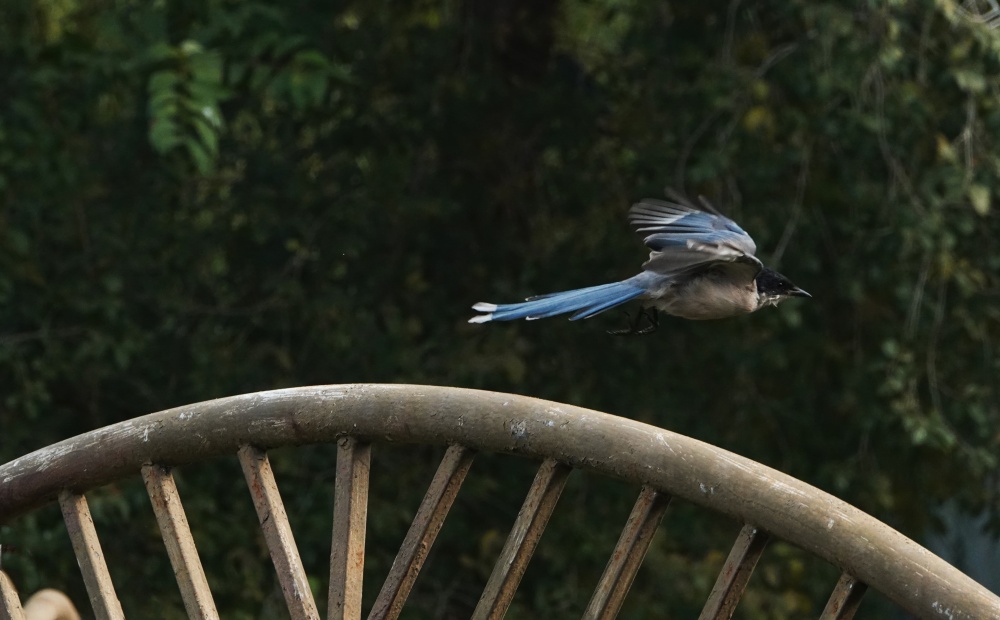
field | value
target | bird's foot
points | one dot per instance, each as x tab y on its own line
628	331
629	326
633	329
653	316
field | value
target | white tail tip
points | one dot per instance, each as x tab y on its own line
483	307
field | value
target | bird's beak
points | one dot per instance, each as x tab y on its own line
797	292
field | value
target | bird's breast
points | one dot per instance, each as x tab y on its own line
707	297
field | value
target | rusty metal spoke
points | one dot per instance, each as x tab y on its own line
89	556
522	540
350	513
426	524
628	554
735	574
177	538
10	602
277	533
845	599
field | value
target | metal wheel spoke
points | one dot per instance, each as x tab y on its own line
735	574
647	512
278	533
10	602
426	524
89	556
845	599
350	513
522	540
177	538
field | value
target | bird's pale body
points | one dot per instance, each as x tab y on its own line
714	296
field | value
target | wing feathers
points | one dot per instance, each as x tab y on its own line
684	238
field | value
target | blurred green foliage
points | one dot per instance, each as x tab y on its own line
202	198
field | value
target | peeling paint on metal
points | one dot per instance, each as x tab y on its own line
52	455
519	429
947	612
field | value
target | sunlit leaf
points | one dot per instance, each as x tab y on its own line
979	196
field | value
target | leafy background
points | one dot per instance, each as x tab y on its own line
202	198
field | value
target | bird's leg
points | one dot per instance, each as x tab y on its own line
632	328
653	316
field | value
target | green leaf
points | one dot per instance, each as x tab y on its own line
159	52
191	48
201	158
945	151
163	100
206	93
207	68
207	133
162	81
163	135
312	59
979	195
969	81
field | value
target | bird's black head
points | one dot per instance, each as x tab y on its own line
773	287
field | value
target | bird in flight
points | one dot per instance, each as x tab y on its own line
701	266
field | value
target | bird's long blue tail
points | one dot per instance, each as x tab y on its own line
585	302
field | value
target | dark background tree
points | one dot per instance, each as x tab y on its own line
203	198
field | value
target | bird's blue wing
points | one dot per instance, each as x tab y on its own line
683	238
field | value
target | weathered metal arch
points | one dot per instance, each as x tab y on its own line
562	436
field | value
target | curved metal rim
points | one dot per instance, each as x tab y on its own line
790	509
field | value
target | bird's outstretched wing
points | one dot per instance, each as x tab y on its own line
684	239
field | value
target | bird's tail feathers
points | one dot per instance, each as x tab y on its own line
584	302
